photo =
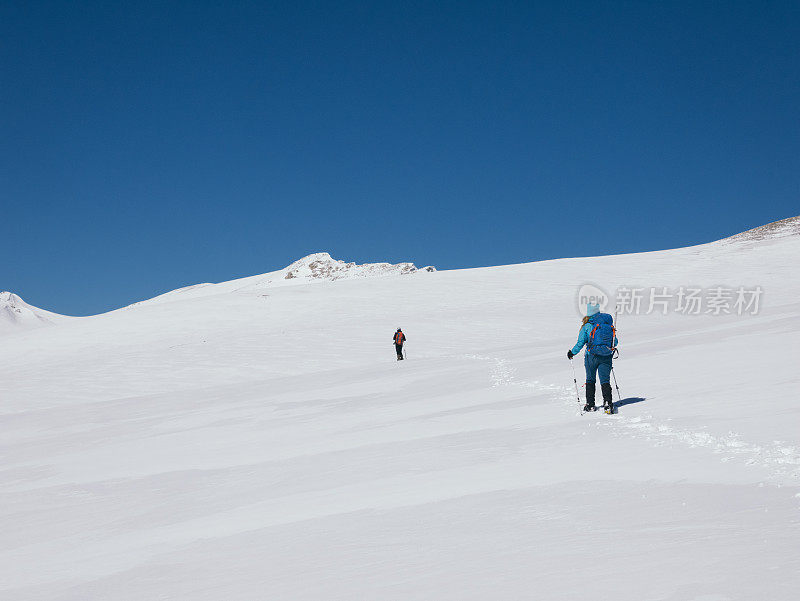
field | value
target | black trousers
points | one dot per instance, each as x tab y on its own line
399	349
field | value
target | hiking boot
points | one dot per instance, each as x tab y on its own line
608	398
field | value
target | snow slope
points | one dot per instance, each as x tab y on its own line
263	443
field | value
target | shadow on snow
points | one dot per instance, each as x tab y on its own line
629	401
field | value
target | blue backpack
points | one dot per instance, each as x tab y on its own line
601	339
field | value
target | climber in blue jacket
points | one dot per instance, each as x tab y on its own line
600	337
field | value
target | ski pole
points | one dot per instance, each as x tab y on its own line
613	373
575	380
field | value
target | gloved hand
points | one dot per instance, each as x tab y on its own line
570	355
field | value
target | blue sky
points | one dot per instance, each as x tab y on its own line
148	146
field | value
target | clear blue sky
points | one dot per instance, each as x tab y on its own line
145	146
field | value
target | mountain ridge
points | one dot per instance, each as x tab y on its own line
17	315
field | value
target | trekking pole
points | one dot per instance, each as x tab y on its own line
616	351
619	396
575	380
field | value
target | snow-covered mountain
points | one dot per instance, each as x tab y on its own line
320	266
317	267
250	440
17	315
770	231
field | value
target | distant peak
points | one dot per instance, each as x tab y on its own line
321	266
770	231
16	314
9	298
314	258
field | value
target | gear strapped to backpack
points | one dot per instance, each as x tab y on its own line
601	338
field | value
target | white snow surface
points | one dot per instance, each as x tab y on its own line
261	442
